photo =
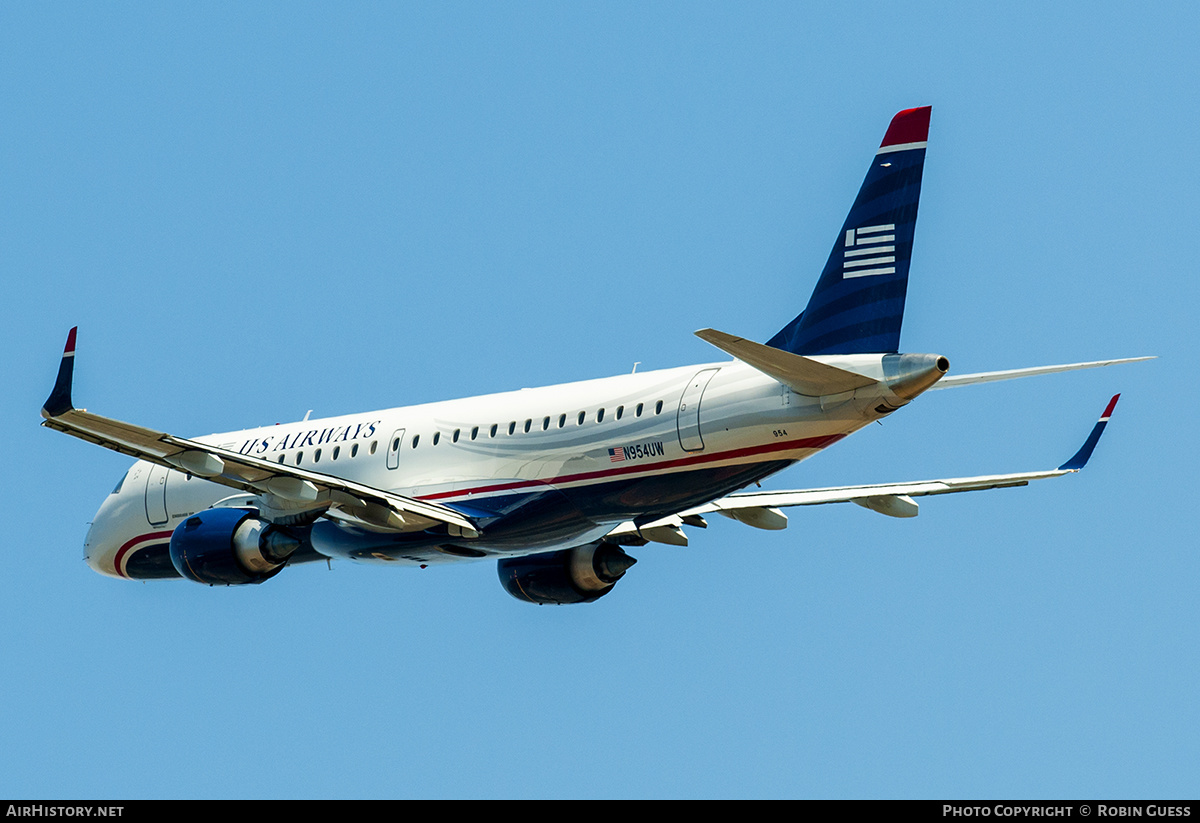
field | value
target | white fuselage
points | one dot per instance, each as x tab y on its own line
574	459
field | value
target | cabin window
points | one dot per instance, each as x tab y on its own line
395	445
528	425
474	432
455	437
299	457
281	458
512	427
317	456
600	416
638	411
620	411
336	451
582	417
416	440
354	450
436	437
562	420
495	426
375	444
546	424
658	407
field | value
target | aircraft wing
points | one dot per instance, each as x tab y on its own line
761	509
285	491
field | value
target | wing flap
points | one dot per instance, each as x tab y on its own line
848	494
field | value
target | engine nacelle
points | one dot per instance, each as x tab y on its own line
578	575
229	547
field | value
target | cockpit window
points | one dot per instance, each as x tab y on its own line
120	483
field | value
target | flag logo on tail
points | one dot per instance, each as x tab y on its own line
870	250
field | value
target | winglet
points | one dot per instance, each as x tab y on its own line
60	399
1081	457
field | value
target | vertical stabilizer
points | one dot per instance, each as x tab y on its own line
858	304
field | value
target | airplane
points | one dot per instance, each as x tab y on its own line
555	483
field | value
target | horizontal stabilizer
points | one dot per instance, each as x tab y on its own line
802	375
955	380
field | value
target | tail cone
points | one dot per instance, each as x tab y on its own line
907	375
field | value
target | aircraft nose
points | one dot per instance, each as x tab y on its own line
107	534
122	542
99	551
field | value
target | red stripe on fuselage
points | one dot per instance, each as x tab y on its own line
119	557
690	460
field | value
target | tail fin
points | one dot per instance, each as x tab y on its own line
858	304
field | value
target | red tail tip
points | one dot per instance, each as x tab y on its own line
908	126
1112	404
70	349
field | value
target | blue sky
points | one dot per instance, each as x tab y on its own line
251	212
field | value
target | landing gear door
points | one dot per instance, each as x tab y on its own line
688	421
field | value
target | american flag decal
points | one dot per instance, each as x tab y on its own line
616	455
870	250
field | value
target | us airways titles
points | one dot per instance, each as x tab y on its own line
312	437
